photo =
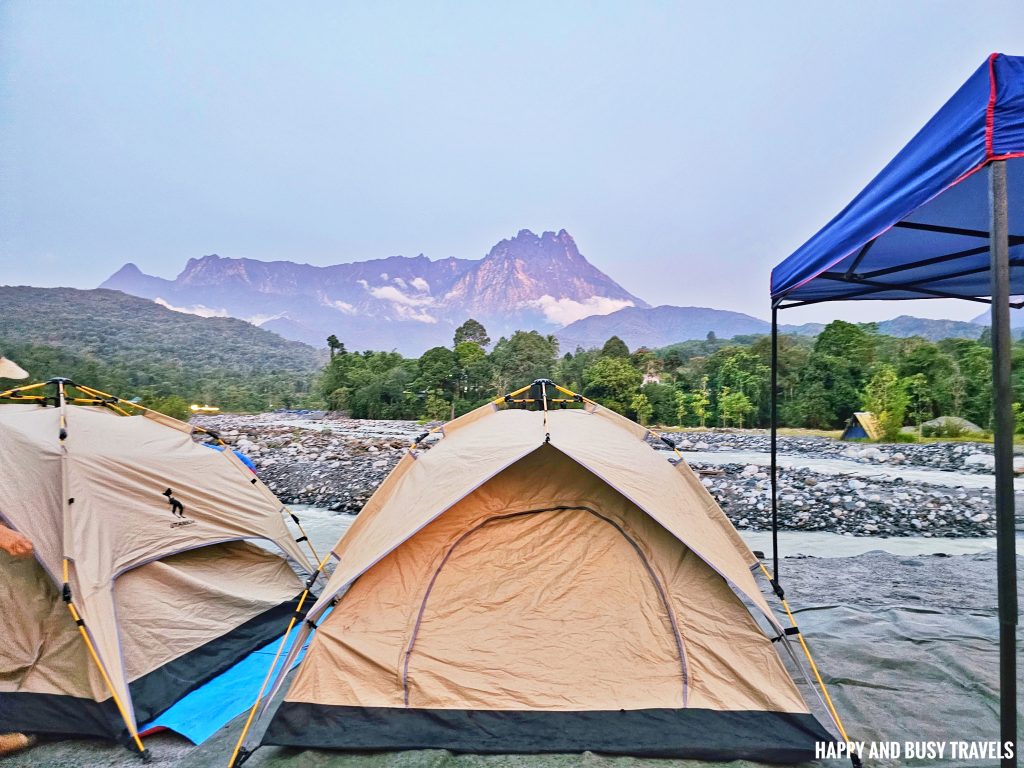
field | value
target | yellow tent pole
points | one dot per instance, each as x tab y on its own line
273	664
305	537
76	617
23	389
810	660
501	398
130	404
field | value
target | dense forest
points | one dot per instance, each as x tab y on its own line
134	347
713	382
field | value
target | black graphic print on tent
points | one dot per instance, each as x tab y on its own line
177	508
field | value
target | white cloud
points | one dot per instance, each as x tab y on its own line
565	311
383	275
392	294
420	284
400	282
363	283
196	309
342	306
261	319
404	306
409	313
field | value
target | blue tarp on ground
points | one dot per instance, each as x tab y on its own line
206	710
934	180
241	456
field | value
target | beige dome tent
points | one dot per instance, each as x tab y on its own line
148	538
11	370
543	581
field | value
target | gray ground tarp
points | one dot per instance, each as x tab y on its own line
907	644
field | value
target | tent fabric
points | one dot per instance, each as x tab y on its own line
11	370
423	485
155	529
863	425
864	252
544	582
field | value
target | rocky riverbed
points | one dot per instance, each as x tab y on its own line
338	463
953	456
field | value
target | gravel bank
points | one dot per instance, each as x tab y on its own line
955	457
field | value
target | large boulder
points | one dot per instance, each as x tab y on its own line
950	426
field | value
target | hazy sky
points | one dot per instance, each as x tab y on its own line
687	147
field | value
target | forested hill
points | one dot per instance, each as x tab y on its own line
137	347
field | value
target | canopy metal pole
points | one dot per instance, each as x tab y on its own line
774	447
1006	556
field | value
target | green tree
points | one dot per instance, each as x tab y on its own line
848	340
522	358
471	331
436	408
569	371
613	382
663	402
436	369
920	357
680	401
335	346
615	347
641	408
971	381
733	407
700	400
474	373
918	391
886	397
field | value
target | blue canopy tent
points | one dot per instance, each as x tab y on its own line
934	224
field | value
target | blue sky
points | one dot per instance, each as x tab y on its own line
687	147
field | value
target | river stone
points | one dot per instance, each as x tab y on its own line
983	460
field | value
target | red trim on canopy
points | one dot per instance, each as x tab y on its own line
990	111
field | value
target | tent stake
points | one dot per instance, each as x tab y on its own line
1003	428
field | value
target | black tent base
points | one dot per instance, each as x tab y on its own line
701	734
51	713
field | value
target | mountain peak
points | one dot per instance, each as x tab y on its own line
129	270
526	281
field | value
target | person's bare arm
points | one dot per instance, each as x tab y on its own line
13	543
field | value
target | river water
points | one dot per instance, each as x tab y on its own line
325	527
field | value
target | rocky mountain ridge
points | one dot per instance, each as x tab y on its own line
527	281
